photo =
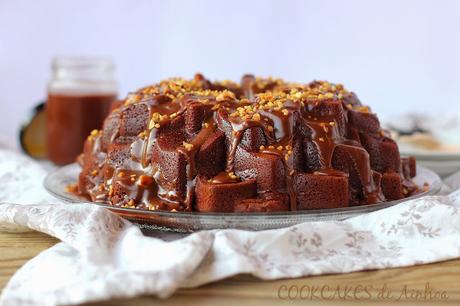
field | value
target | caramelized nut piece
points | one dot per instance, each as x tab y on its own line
233	175
187	146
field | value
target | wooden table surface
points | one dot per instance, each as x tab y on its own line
434	284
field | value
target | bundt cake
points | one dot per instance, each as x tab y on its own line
262	145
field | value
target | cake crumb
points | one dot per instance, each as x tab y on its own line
72	188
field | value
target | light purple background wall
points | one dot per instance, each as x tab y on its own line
397	55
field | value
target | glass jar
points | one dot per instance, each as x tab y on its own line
80	95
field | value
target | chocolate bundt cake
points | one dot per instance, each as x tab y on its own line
260	146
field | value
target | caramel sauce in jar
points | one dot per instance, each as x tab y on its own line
70	119
80	96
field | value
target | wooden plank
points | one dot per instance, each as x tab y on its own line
406	284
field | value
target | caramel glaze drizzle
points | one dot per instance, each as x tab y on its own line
279	112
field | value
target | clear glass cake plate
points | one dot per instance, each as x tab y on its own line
57	181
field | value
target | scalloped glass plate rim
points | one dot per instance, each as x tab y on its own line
57	180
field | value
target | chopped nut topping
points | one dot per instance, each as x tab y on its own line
225	95
362	109
153	207
187	146
93	134
233	175
94	173
156	119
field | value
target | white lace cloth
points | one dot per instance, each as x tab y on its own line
102	256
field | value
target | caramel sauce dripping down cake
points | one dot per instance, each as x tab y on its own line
261	145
